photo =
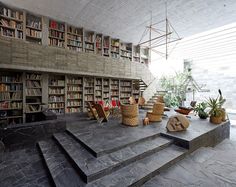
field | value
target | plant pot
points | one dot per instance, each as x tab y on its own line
216	120
202	115
223	114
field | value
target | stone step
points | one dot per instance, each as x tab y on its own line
142	170
92	168
115	146
61	171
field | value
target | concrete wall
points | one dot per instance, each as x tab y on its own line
17	54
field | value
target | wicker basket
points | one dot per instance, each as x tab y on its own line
160	99
158	108
130	114
216	120
154	117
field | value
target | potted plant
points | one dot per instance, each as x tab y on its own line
215	112
200	110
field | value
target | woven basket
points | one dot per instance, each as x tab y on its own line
216	120
160	99
130	114
154	117
158	108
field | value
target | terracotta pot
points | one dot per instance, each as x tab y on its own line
216	120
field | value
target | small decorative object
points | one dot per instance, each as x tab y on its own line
183	110
215	106
200	110
177	123
146	121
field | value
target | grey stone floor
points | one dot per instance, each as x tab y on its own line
206	167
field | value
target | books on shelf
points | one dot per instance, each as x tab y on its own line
33	76
33	33
33	108
74	88
56	105
56	91
74	103
88	98
74	96
11	13
33	84
10	105
56	25
73	109
33	92
74	81
56	82
52	99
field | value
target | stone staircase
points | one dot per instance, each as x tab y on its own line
149	104
142	85
71	163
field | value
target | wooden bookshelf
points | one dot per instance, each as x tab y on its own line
75	38
56	94
115	48
74	94
136	53
135	89
88	90
33	32
114	89
106	46
125	91
126	51
56	33
98	44
89	41
11	98
106	89
11	22
98	89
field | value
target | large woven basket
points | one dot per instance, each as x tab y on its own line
129	114
154	117
158	108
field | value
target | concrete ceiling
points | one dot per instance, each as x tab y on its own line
126	19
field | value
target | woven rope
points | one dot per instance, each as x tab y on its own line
129	114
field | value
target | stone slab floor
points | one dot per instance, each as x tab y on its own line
207	167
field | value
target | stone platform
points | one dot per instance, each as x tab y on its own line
111	154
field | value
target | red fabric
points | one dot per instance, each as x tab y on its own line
113	103
101	103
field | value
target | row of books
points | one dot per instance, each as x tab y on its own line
106	43
58	111
33	76
74	30
9	33
106	52
88	98
105	83
11	105
56	90
56	42
75	48
56	82
33	84
33	92
74	43
114	87
115	55
56	105
126	54
72	110
126	89
125	95
125	47
11	13
11	87
56	25
89	84
74	37
33	23
89	38
19	34
105	95
98	82
115	49
114	93
98	93
89	46
56	34
74	81
89	91
74	103
115	43
56	99
74	88
135	91
74	96
98	87
33	33
11	23
33	108
11	96
106	89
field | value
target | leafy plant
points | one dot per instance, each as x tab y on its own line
215	106
200	110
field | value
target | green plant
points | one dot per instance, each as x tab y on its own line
215	106
200	110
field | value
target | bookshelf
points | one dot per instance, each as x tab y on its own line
33	96
98	44
89	41
136	53
115	48
126	51
125	91
106	90
135	89
56	93
75	38
11	22
88	90
56	34
74	94
33	32
144	56
106	46
114	89
98	89
11	98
